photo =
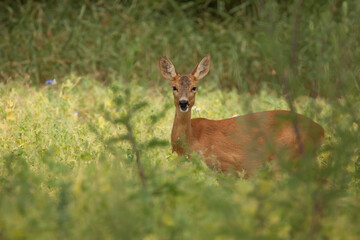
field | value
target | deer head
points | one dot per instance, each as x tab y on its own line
184	86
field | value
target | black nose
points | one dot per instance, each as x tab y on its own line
183	104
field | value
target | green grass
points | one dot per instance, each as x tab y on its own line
62	178
68	164
44	40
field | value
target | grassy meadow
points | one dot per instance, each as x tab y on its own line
72	154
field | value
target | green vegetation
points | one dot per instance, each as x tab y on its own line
72	154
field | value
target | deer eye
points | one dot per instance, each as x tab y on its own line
174	88
193	89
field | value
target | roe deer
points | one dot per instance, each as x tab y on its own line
241	143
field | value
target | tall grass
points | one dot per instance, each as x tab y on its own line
69	171
89	157
43	40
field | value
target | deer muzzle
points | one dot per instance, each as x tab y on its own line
184	105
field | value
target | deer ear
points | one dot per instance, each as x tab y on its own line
167	68
202	68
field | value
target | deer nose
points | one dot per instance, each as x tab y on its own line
184	104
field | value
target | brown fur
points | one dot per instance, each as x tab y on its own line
240	143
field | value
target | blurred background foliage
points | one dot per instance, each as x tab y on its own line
251	42
89	157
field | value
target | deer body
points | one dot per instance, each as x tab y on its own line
242	143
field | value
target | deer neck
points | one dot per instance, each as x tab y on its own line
181	132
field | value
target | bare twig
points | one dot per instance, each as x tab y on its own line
132	141
293	64
295	37
294	120
319	206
